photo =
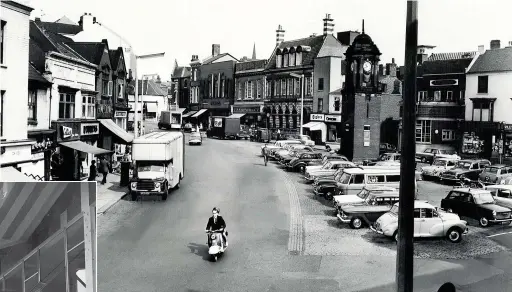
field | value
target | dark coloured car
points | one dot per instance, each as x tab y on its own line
325	186
430	154
188	128
477	204
386	148
304	159
468	168
367	212
492	174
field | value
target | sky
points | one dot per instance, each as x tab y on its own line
185	28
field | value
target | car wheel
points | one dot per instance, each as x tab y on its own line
483	222
165	194
356	223
449	210
454	235
395	236
424	160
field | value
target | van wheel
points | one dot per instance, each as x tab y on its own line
134	196
165	194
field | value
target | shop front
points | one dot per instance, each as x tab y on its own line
486	140
77	147
41	154
333	123
316	129
200	118
116	140
121	119
252	114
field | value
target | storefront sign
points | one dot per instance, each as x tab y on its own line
366	135
119	114
89	129
217	122
67	132
317	117
333	118
15	154
507	127
217	103
241	110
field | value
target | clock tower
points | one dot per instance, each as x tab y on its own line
361	85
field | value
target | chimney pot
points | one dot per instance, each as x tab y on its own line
481	49
495	44
215	50
328	25
279	35
38	19
392	60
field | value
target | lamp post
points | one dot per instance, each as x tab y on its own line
268	130
301	78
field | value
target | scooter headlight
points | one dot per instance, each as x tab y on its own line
213	236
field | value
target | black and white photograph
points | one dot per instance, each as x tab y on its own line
337	145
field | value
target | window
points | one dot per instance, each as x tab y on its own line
449	96
393	178
448	135
239	97
320	84
298	58
417	213
373	179
422	96
279	60
283	87
437	95
285	61
258	89
309	86
215	86
269	88
246	89
2	31
320	105
120	91
88	106
358	179
423	131
194	77
105	85
276	87
32	105
482	111
290	87
297	87
66	105
249	90
483	84
292	59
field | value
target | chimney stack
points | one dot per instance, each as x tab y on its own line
381	70
194	58
481	49
215	50
279	35
495	44
38	20
423	53
391	68
86	21
328	25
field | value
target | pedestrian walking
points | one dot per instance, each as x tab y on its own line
93	173
105	168
265	158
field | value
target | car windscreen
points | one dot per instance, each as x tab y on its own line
345	178
483	198
491	170
439	163
447	152
463	164
394	210
363	194
147	167
328	165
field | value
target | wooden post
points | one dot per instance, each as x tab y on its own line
88	238
405	247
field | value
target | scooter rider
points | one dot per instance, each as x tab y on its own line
216	222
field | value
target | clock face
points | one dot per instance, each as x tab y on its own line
367	66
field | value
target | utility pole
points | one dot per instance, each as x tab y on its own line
405	246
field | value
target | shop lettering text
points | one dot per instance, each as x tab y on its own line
317	117
89	129
333	118
246	109
119	114
67	132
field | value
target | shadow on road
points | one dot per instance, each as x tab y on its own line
200	250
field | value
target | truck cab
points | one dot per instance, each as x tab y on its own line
158	164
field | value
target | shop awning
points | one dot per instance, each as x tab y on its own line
116	130
188	114
152	107
179	110
12	174
84	147
236	116
316	126
199	113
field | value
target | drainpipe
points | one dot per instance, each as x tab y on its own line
50	109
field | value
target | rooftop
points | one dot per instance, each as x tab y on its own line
497	60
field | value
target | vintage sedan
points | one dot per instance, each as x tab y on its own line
428	222
506	179
302	160
325	159
502	194
439	166
386	157
278	145
476	204
367	212
468	168
492	174
306	140
195	139
288	149
342	200
329	169
430	154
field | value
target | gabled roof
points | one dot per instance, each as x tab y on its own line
65	20
92	52
114	58
315	43
181	72
332	48
59	27
451	56
35	75
149	87
212	59
444	66
497	60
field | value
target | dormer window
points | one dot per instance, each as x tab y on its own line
285	55
292	57
279	58
298	56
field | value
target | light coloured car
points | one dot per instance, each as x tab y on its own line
267	149
439	166
306	140
502	194
195	139
325	159
506	179
428	222
361	196
329	169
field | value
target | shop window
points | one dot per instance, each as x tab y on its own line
285	61
258	89
320	84
66	106
448	135
422	96
437	95
279	60
423	131
449	96
88	106
483	84
239	97
290	87
32	105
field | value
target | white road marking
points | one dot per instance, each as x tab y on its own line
498	234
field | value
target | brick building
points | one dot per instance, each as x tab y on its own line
249	86
180	88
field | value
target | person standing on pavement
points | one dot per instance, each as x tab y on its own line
93	173
104	167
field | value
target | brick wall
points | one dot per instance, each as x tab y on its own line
367	113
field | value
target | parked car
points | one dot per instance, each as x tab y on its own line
195	139
493	173
188	128
368	211
384	157
477	204
439	166
502	194
469	168
428	222
430	154
386	148
304	159
268	149
328	170
325	186
306	140
287	149
325	159
342	200
294	154
506	179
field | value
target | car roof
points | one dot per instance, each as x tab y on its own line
420	204
341	162
447	159
499	187
386	193
473	160
368	170
499	165
471	191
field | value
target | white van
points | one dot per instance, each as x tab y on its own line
354	180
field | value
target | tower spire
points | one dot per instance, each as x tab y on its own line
363	25
254	52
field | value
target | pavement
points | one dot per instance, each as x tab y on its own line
108	194
152	245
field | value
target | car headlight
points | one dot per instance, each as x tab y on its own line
157	185
494	213
134	185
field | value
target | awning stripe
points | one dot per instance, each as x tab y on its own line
236	116
188	114
116	130
196	115
84	147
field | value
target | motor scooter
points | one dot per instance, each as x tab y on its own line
216	246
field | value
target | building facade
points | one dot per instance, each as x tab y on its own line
487	131
152	99
181	89
120	79
15	147
250	91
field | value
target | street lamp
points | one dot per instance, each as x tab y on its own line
268	130
301	77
